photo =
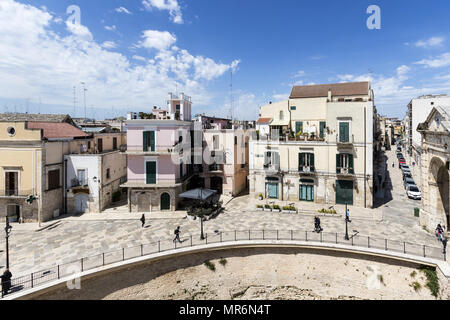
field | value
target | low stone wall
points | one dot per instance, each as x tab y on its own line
320	272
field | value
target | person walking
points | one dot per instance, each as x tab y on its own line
143	220
347	216
317	227
177	234
6	281
444	245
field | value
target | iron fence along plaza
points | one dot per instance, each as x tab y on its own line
36	279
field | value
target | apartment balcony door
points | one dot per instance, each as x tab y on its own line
272	190
307	193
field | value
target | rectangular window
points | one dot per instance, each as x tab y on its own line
151	172
298	127
89	145
322	130
114	143
344	132
11	183
306	161
100	145
149	140
344	161
293	108
181	170
108	173
81	176
216	142
53	179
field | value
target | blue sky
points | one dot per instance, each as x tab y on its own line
130	54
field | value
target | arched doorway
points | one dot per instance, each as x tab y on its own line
439	191
165	201
217	184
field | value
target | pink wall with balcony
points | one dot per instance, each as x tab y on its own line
167	171
165	137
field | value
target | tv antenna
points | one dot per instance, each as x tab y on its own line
231	96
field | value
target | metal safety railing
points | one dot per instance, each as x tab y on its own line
107	258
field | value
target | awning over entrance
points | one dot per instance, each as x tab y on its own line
279	123
198	194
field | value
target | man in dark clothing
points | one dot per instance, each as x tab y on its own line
317	226
6	281
347	216
444	245
177	235
143	220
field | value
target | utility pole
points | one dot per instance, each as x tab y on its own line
84	92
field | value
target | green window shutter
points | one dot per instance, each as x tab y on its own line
298	127
151	172
344	131
322	129
311	159
152	140
301	161
338	163
145	140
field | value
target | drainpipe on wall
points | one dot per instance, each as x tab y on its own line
365	150
65	187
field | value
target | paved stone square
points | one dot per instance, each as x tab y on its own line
72	239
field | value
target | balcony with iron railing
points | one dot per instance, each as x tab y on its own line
306	169
340	140
345	171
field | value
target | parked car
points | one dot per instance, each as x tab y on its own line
413	192
409	181
406	175
400	155
401	162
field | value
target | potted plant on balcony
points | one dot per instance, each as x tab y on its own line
267	207
259	207
276	208
260	196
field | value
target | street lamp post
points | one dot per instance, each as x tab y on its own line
346	223
8	228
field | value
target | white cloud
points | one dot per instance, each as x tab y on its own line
432	42
157	39
440	61
122	10
280	96
110	28
42	63
139	58
299	74
170	5
109	45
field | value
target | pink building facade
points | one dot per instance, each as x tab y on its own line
158	170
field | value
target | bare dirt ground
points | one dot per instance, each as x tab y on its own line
258	274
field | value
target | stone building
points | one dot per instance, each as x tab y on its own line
32	163
435	160
93	178
225	169
320	147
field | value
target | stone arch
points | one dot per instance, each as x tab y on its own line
439	201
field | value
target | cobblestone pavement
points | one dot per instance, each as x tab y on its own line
68	241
